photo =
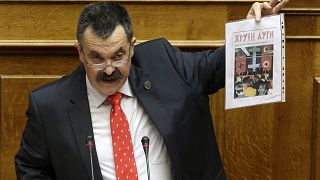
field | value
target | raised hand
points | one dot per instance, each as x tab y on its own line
266	8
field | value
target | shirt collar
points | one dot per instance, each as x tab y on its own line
98	99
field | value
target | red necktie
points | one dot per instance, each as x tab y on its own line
121	141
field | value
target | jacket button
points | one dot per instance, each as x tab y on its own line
147	85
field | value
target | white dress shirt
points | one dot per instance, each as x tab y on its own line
140	125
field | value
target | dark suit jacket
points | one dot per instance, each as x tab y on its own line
53	143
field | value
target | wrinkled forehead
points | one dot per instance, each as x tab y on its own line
114	42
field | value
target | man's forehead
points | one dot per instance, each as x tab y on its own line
114	42
118	34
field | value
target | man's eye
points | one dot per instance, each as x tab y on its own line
118	57
96	57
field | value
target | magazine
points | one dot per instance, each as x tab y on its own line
255	62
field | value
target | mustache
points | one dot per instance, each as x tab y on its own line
102	76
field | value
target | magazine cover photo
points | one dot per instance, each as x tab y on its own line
253	71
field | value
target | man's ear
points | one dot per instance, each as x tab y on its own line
80	52
132	43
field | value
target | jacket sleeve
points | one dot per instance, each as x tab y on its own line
204	71
32	160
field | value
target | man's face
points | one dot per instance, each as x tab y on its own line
96	50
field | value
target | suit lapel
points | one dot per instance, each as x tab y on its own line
150	99
80	119
148	95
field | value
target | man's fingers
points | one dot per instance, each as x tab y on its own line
262	9
281	5
273	3
265	5
256	8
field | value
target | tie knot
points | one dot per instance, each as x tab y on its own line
115	98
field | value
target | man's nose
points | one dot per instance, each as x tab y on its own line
109	70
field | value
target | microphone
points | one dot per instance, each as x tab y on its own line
145	144
90	144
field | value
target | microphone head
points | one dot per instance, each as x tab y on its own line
89	141
145	140
145	144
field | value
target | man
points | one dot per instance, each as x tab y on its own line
119	94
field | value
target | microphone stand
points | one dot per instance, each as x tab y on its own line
90	145
148	169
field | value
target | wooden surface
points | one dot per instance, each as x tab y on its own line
58	21
274	141
316	131
14	101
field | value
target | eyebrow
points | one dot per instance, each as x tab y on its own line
120	50
94	52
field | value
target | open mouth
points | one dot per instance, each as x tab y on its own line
109	81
